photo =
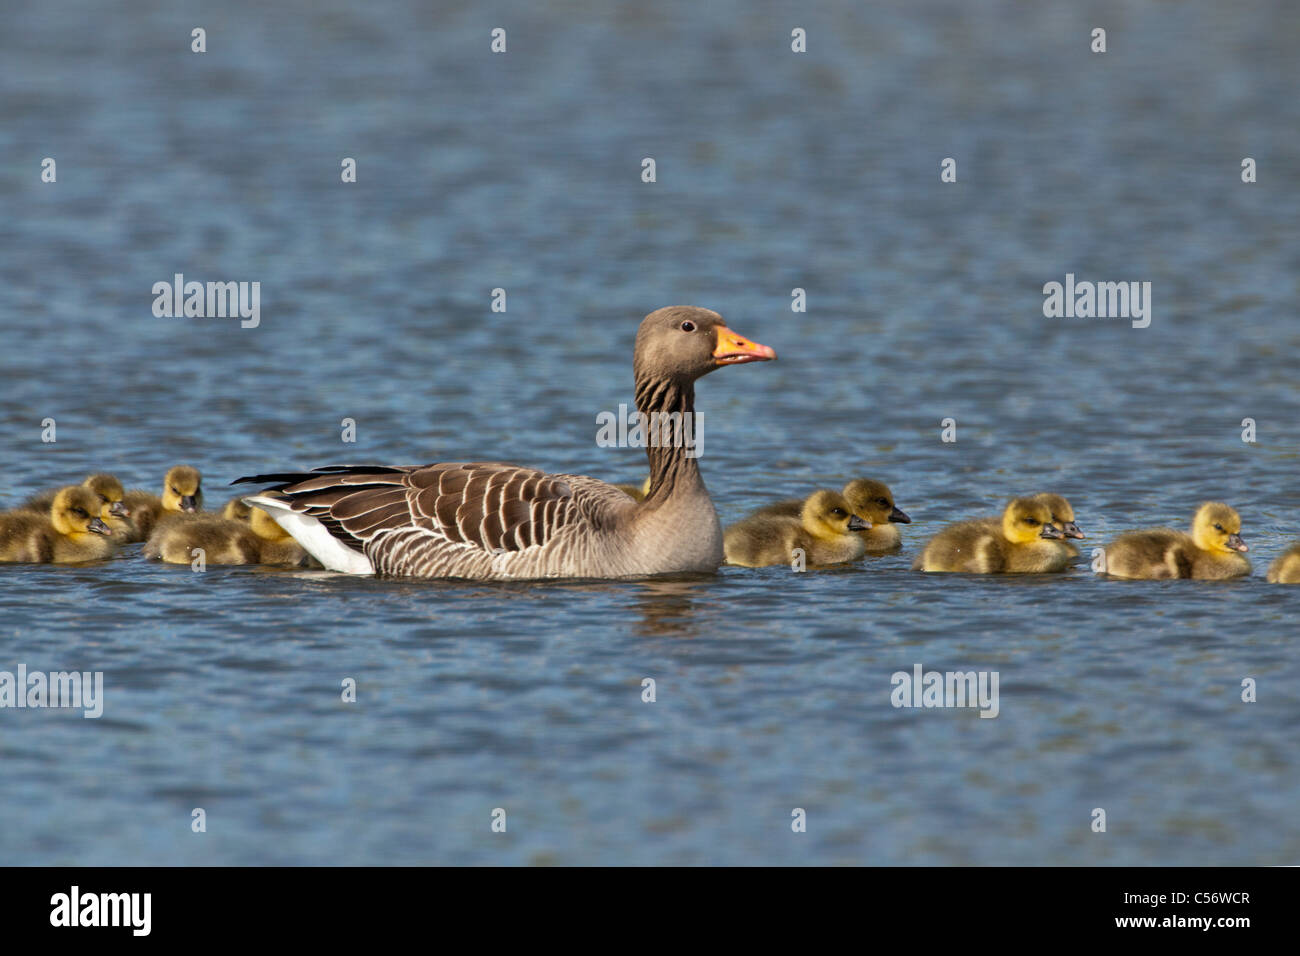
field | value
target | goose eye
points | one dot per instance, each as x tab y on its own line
838	511
80	512
882	502
1218	527
688	326
175	491
1031	521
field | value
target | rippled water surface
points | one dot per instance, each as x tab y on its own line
775	171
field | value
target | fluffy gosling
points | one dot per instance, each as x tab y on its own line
633	491
826	531
870	500
71	532
260	540
1212	551
182	494
1024	541
1286	569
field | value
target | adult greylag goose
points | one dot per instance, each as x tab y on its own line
491	521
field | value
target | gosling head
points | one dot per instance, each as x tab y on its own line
1062	514
1026	520
236	510
75	512
110	493
873	502
826	514
266	527
1217	527
181	489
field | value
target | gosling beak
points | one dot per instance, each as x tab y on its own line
97	525
188	503
859	524
1071	530
118	508
1236	543
733	349
899	515
1051	531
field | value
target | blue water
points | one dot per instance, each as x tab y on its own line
775	171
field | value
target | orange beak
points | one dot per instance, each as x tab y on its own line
735	349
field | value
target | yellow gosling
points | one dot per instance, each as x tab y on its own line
874	502
224	541
1063	518
182	494
1286	569
633	491
277	545
826	531
72	531
236	510
113	510
1212	551
1024	542
870	500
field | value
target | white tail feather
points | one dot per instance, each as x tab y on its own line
313	536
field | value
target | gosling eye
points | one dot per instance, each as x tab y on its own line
688	326
882	502
1218	527
104	498
1031	521
80	512
175	490
838	511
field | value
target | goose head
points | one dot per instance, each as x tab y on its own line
110	493
1026	520
1217	527
181	489
874	502
682	343
1062	514
75	512
827	514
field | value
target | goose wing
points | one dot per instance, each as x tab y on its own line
444	515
